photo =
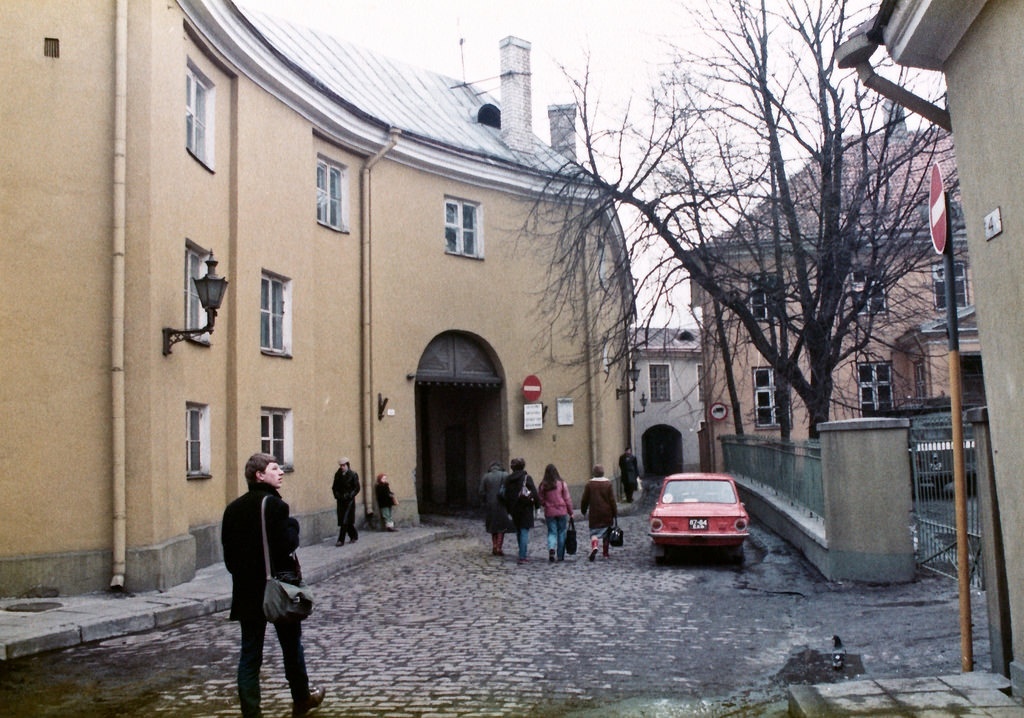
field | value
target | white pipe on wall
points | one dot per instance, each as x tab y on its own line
369	408
117	330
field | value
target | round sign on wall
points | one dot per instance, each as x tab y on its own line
718	411
531	388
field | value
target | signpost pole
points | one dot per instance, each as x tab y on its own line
959	471
941	227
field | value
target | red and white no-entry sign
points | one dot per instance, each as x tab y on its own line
937	211
531	388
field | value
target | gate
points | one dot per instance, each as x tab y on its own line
934	529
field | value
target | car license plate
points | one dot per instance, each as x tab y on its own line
698	524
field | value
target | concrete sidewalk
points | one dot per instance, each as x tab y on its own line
963	694
33	625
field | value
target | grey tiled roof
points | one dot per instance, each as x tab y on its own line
427	105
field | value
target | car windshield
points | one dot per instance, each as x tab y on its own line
707	491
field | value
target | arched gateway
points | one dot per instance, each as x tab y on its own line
460	420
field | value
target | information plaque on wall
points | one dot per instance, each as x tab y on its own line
533	416
565	412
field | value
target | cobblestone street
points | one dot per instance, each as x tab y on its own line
449	630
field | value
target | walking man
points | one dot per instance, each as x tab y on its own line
630	473
242	538
345	488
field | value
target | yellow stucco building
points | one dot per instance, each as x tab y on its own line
383	300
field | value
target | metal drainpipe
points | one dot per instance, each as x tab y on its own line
366	375
904	97
117	330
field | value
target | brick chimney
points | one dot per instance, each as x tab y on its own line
562	120
516	101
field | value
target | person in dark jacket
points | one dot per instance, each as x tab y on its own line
497	522
242	539
345	488
599	500
630	473
521	500
386	502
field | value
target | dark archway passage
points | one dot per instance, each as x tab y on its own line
459	420
662	450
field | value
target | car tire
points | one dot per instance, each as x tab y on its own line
736	554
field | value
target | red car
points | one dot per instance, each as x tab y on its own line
699	510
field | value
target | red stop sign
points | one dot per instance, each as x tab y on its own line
937	211
531	388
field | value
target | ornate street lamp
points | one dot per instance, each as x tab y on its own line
211	290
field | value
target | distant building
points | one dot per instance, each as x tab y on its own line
898	353
668	409
382	292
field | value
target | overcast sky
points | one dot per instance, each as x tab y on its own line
623	41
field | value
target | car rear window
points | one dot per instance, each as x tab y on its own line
698	491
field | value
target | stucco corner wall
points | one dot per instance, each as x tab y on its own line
868	503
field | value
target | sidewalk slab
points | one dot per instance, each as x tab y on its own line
966	694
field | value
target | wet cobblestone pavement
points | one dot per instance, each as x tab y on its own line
449	630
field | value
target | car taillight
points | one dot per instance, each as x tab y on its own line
741	524
656	524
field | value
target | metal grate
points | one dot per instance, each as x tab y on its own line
51	47
931	455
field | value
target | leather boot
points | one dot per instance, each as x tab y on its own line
604	548
501	542
593	549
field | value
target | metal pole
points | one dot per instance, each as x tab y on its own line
959	480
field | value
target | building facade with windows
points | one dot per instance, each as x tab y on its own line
382	290
668	406
899	368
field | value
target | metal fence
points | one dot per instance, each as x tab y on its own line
791	468
931	456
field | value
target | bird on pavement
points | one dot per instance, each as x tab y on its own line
838	653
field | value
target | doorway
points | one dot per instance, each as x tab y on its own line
662	450
460	421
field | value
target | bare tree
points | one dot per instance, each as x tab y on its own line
790	199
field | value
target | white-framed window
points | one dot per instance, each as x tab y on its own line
764	397
758	302
959	286
275	314
195	267
331	194
657	376
276	434
863	282
875	382
462	228
199	96
197	440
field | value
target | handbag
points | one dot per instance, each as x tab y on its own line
570	538
286	599
615	534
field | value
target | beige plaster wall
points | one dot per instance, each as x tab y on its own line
983	77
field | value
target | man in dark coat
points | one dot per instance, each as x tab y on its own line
345	488
630	473
242	538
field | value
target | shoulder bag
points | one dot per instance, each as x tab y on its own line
615	534
286	599
570	538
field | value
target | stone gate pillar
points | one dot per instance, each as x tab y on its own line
866	481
